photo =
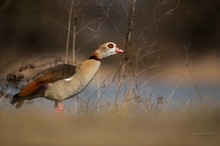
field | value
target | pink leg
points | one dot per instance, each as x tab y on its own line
58	107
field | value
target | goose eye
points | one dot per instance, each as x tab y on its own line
110	46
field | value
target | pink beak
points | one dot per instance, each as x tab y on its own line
118	50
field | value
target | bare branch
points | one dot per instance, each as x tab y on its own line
110	20
128	39
123	8
86	26
87	42
68	31
169	101
111	4
193	80
74	36
130	26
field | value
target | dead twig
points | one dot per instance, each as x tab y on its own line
127	46
68	31
193	80
101	8
169	101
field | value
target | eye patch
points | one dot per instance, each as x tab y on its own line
110	46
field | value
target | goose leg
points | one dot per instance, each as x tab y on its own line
58	107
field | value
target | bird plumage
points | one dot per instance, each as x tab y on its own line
50	75
63	81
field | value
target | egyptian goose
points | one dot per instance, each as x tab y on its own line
64	81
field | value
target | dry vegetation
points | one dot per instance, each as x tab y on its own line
25	129
133	113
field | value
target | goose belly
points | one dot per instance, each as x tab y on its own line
64	89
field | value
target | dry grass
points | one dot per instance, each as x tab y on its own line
27	129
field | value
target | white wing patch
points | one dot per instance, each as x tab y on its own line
68	79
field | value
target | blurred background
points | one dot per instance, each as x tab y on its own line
170	69
40	27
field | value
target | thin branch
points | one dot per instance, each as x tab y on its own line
74	36
110	7
49	17
184	108
87	42
68	32
89	28
110	20
193	80
123	8
119	85
82	7
130	25
128	39
169	101
170	12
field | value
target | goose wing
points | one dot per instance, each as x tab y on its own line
50	75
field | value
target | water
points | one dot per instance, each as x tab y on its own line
173	95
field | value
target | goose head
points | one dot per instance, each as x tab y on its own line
107	49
